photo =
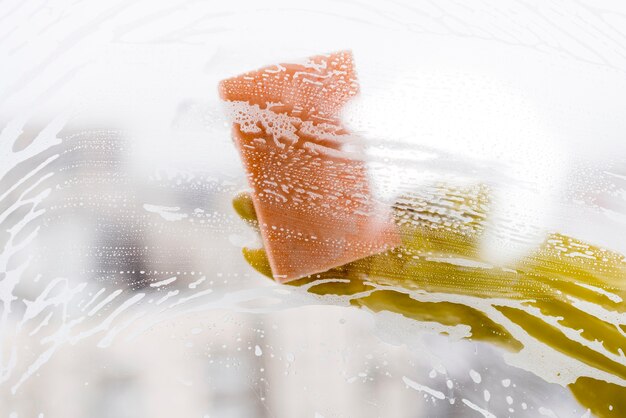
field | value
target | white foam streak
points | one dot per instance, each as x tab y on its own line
478	409
422	388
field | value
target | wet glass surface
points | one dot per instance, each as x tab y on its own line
132	282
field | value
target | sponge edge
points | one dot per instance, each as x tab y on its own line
310	189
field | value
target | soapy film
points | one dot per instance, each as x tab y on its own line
109	297
120	289
54	178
